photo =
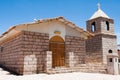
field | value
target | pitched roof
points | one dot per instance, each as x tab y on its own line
99	13
61	19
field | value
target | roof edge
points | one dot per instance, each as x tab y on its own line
61	19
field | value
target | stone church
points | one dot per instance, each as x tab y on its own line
57	45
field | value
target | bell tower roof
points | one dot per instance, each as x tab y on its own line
99	13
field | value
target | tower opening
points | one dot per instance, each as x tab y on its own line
107	26
93	27
110	51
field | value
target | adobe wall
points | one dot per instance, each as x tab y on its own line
77	46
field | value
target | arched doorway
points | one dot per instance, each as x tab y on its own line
57	46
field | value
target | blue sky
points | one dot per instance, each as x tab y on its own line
14	12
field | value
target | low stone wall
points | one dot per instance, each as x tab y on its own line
77	46
30	64
70	62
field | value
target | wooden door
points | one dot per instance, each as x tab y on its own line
58	52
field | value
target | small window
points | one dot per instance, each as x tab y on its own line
110	60
1	49
93	27
119	60
118	50
110	51
107	26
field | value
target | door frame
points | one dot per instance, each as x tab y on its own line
57	40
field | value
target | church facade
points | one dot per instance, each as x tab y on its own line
57	45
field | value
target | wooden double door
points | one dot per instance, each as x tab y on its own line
57	47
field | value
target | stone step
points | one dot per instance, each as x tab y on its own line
92	68
65	70
53	71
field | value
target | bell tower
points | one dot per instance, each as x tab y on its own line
100	23
104	40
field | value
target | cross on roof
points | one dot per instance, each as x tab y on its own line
98	5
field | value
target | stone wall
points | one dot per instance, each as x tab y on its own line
109	42
119	56
12	56
98	47
77	46
36	44
119	68
70	62
94	49
23	51
100	25
119	53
